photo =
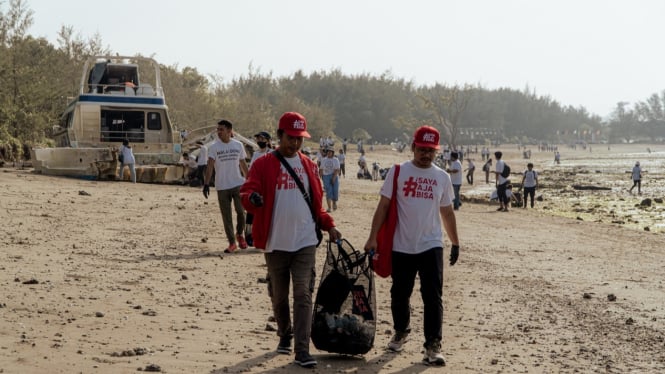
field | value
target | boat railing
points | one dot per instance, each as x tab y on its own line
143	89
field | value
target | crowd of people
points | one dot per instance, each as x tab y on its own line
278	200
280	196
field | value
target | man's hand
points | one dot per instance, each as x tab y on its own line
334	235
256	199
454	254
206	190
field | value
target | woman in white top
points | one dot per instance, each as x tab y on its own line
127	159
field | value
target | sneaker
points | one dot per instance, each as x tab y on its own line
334	205
305	360
397	342
232	248
241	241
284	346
249	239
433	354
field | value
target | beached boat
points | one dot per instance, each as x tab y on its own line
119	98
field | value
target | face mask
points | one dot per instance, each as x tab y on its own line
262	144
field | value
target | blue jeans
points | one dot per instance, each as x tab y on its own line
332	189
132	172
456	202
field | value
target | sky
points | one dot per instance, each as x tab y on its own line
590	53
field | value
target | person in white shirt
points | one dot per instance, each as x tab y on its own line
530	183
637	178
285	228
190	166
227	158
342	160
128	160
329	172
501	182
263	141
201	161
455	171
470	170
424	203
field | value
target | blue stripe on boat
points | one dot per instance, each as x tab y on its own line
122	99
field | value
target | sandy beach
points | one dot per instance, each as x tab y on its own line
114	277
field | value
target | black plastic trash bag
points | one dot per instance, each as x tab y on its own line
344	318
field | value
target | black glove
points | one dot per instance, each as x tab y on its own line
206	190
256	199
454	254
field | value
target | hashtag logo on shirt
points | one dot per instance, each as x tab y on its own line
410	187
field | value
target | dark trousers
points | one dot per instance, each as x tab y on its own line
529	191
201	172
429	267
456	201
299	267
225	198
501	193
469	176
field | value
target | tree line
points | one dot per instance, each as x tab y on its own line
37	79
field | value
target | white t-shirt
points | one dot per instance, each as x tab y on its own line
127	155
203	156
636	173
499	169
258	154
530	177
227	158
341	157
329	165
420	195
292	225
189	162
456	178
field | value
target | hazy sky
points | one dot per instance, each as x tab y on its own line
592	53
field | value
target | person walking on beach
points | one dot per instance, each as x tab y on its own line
470	170
342	161
330	175
201	161
455	171
636	174
127	160
501	182
487	167
424	198
227	157
530	183
287	213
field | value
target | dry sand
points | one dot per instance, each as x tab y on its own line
139	268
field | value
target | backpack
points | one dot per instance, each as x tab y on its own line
506	170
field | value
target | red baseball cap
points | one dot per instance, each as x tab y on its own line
427	137
294	124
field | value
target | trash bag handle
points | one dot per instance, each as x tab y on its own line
345	256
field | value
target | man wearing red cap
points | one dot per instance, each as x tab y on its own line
287	215
425	201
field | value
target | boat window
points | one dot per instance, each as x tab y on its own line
154	121
117	125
